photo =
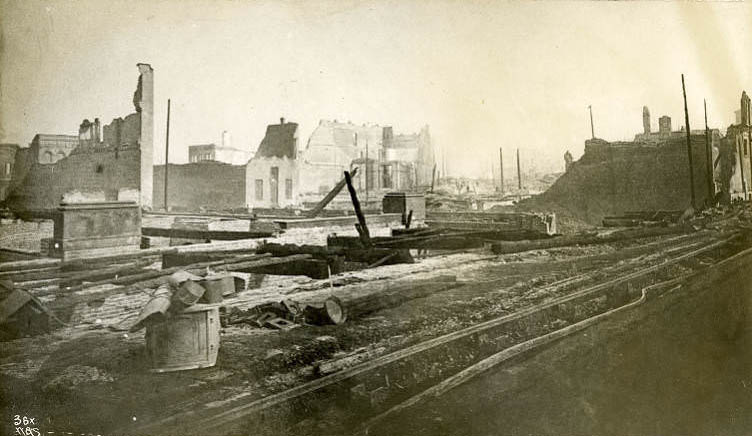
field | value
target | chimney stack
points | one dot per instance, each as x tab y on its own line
282	120
664	125
226	141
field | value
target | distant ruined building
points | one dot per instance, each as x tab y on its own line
652	172
281	174
224	152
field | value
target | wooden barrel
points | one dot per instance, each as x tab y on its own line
188	340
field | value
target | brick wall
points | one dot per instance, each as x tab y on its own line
94	170
203	185
24	235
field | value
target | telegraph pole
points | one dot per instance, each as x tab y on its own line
167	155
443	163
708	156
592	129
519	173
501	170
689	145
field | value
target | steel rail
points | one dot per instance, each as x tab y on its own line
478	368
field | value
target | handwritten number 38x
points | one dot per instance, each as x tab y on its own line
18	420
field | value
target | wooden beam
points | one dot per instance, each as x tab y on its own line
217	235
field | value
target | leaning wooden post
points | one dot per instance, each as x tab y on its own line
365	237
689	146
329	197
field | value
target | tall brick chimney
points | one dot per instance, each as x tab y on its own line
143	99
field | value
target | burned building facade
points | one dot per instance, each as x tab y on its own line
48	148
273	174
7	166
385	160
113	163
736	150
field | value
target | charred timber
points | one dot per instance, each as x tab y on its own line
588	239
215	235
352	253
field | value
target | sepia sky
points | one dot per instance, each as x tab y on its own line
482	74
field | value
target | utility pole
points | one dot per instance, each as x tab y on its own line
433	176
519	173
709	156
443	164
749	135
366	172
592	129
167	155
501	170
689	145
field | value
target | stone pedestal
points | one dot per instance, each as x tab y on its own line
84	230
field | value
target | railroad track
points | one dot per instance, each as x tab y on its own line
372	388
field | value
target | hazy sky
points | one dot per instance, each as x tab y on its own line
482	74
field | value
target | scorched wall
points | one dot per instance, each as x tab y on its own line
201	186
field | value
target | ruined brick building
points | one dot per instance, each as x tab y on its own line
284	174
281	174
108	163
652	172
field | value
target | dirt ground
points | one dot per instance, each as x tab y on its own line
89	379
679	366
